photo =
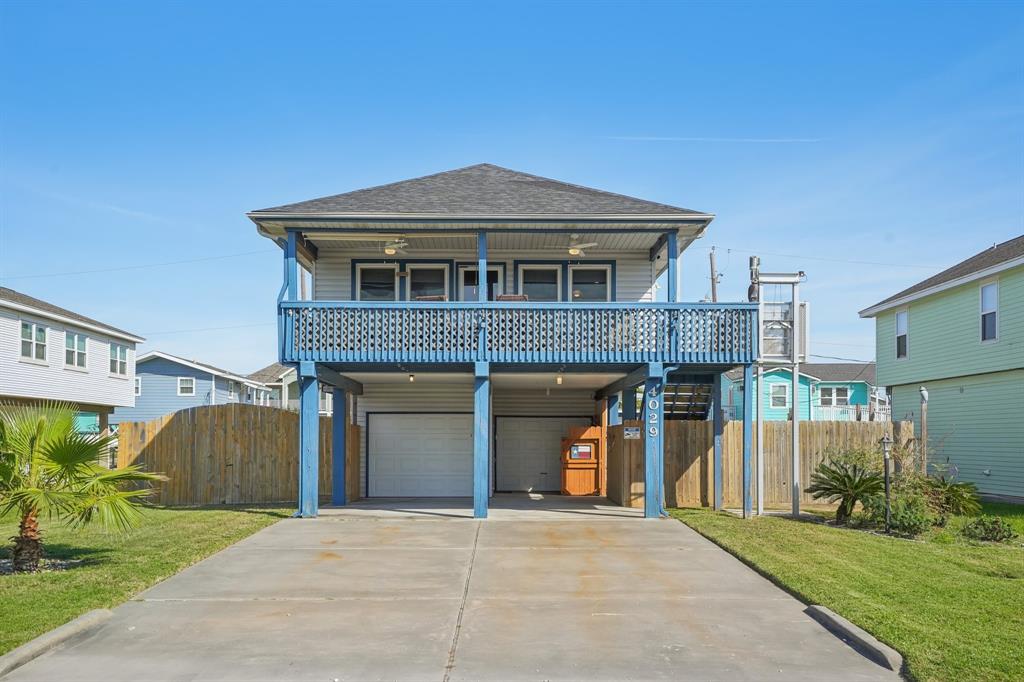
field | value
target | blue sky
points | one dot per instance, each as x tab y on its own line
867	144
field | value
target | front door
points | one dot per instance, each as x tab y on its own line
469	281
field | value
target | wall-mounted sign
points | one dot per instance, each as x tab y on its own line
631	432
584	451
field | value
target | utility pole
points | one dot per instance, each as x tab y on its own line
714	277
754	296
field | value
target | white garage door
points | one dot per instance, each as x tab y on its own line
529	452
420	455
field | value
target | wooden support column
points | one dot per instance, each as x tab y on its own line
654	418
309	440
339	428
672	257
481	437
614	418
716	405
748	438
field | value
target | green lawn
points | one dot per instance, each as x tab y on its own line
114	567
955	610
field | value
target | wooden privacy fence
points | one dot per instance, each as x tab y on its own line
689	459
231	454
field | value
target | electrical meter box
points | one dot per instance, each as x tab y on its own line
580	466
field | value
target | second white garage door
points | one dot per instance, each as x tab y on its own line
529	452
420	455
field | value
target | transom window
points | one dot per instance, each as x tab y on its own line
427	282
835	395
541	282
902	320
779	395
33	341
589	283
118	359
989	311
186	386
377	283
74	349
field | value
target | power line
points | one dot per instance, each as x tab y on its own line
209	329
138	267
828	260
833	357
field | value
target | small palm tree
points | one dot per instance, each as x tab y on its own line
47	468
846	483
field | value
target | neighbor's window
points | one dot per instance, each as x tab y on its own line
989	311
901	333
118	359
541	283
74	349
779	395
590	284
377	283
427	282
232	390
33	341
186	386
138	386
835	395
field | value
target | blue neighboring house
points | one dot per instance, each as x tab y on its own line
165	383
829	391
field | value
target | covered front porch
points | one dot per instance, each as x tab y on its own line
457	437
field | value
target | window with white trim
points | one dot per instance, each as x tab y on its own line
989	311
232	390
33	341
835	395
74	349
186	386
426	282
138	386
541	282
902	324
118	359
778	395
376	283
588	283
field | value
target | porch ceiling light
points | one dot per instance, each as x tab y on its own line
574	251
558	379
412	378
390	250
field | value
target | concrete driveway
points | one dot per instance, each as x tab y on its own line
410	593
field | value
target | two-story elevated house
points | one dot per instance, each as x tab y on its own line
959	336
474	316
51	353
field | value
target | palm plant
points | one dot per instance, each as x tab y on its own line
48	469
845	482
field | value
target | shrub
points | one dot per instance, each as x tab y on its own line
989	529
846	483
910	514
949	496
864	457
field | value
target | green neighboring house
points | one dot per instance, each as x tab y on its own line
960	335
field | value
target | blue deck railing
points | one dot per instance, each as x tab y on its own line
415	332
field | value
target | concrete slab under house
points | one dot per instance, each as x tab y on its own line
467	386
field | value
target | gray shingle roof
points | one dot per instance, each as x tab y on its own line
24	299
481	190
829	371
994	255
270	374
151	355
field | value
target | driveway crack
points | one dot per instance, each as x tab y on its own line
462	608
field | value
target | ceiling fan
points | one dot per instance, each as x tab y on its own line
575	248
395	246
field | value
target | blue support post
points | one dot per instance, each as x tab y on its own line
748	438
481	438
339	428
672	256
291	267
309	442
716	405
629	404
614	418
654	418
481	264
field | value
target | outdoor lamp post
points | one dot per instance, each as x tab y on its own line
886	447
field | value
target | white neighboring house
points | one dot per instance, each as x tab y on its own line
284	388
50	353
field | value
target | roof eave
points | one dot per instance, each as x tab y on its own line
944	286
72	322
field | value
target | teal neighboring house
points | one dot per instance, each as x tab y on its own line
960	336
829	391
